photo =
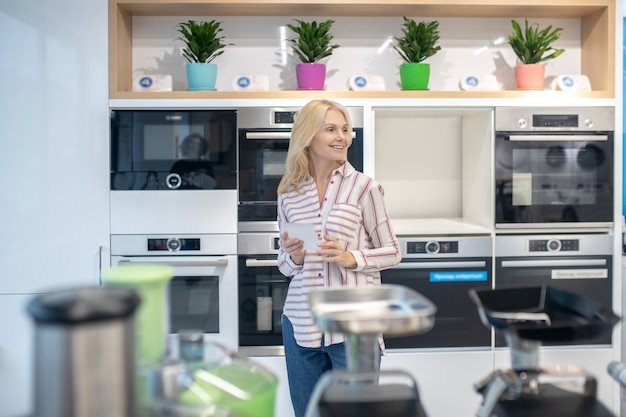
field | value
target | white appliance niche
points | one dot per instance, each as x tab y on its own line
435	165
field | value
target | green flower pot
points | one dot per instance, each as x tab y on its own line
414	76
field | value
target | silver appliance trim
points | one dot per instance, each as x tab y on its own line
519	119
468	247
274	135
210	245
447	264
257	244
527	226
252	351
262	117
177	262
263	226
588	244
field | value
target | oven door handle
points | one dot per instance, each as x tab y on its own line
553	262
261	262
274	135
440	265
176	263
553	138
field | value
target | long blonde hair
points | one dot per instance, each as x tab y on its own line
308	122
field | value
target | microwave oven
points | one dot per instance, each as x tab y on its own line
173	149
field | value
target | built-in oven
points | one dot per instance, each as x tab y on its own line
263	142
554	167
579	263
204	287
262	291
444	269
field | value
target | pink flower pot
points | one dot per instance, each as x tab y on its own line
311	76
530	76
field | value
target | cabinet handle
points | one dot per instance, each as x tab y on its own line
175	263
441	265
261	262
554	262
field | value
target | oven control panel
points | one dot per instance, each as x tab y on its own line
432	246
553	245
173	244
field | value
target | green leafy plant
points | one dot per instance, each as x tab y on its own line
419	40
313	41
534	45
203	40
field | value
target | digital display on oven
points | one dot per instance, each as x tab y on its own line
281	117
432	247
172	244
555	120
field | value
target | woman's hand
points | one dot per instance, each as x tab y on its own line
332	250
294	247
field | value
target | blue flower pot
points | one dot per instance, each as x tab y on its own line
201	76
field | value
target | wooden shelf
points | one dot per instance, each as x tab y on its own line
597	37
360	94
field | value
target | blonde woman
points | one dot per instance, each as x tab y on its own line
356	240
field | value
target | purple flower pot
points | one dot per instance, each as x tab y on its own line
311	76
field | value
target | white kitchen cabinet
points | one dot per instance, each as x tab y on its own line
54	163
436	163
445	378
16	356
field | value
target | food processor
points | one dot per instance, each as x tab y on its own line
363	314
527	317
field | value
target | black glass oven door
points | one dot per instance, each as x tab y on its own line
589	276
457	323
553	180
262	293
195	304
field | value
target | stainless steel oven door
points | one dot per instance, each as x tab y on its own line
581	264
201	294
444	270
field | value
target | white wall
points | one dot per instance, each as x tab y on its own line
53	165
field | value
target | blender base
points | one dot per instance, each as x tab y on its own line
555	403
370	401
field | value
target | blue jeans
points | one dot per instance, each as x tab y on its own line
306	365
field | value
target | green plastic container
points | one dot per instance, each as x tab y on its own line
151	282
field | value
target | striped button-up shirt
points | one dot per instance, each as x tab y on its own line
353	212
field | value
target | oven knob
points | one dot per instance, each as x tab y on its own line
521	123
173	244
432	247
173	181
588	123
554	245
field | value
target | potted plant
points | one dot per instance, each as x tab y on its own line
532	47
312	44
419	42
203	43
